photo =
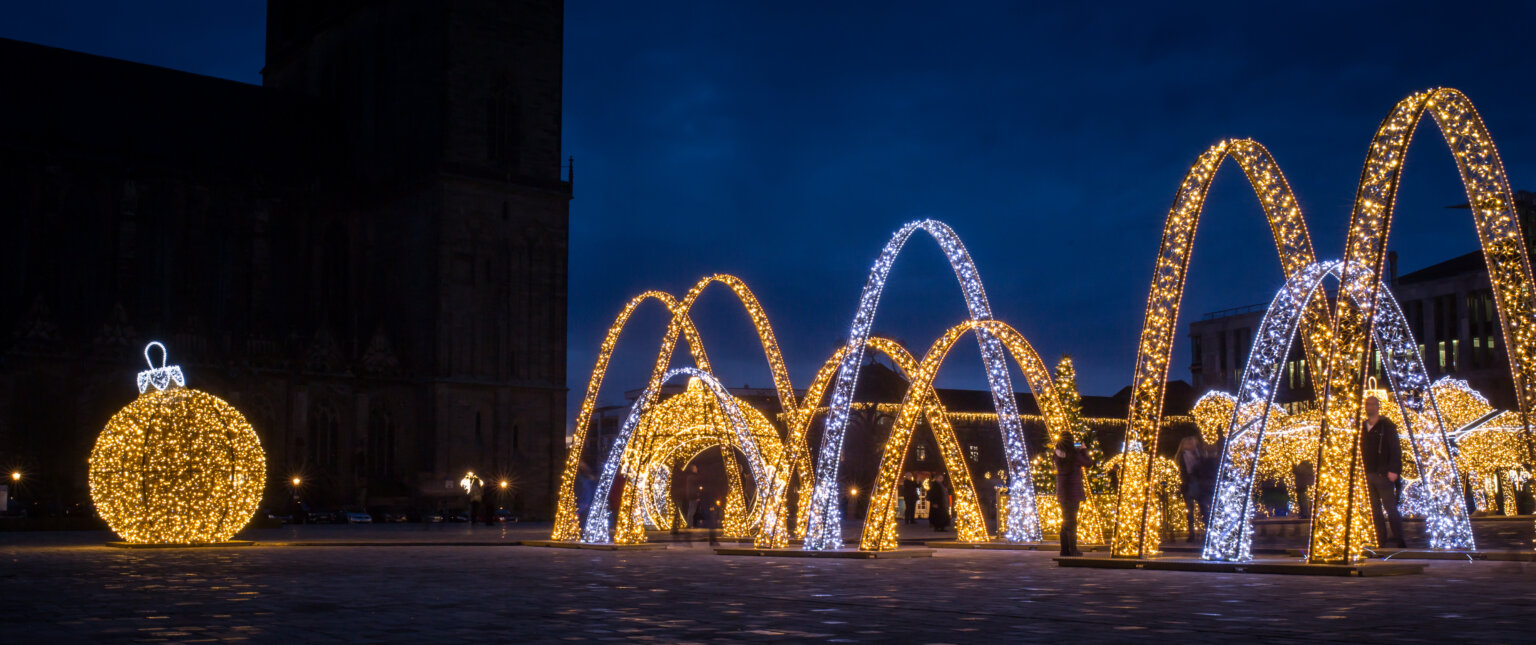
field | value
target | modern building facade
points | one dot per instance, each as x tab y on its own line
1449	307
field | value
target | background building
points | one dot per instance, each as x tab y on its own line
1449	307
367	254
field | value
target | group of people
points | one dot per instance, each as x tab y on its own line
938	499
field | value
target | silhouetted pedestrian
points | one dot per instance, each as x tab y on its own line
938	503
1071	458
1381	455
909	495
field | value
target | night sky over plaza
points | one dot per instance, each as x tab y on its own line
783	142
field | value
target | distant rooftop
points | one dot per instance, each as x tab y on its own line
1459	265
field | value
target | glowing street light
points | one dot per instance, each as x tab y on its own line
504	484
297	481
16	476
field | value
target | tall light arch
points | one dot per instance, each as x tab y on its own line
567	524
1136	532
879	527
1340	516
825	526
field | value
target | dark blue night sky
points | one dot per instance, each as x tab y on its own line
783	142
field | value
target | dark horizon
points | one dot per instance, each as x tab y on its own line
784	146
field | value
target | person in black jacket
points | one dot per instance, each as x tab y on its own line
909	495
1381	455
938	502
1071	457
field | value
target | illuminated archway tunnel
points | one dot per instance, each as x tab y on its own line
1229	535
1021	520
1339	343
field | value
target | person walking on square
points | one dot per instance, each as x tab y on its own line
692	485
909	494
938	503
1071	458
1190	459
1381	455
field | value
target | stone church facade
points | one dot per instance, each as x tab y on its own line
367	254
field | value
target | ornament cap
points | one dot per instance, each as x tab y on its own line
162	377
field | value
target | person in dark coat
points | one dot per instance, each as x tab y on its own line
1381	455
938	503
1071	458
1306	477
986	495
1190	458
909	495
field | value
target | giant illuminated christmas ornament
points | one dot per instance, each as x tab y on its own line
1339	343
177	465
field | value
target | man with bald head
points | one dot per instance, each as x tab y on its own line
1381	454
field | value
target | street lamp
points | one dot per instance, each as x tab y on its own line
297	481
16	476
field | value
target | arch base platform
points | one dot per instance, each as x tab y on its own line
1010	546
855	554
1287	567
601	546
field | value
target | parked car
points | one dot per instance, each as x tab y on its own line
504	515
356	517
322	517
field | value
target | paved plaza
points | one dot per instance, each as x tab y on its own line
476	586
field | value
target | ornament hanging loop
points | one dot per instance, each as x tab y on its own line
162	377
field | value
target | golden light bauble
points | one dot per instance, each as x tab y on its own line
177	466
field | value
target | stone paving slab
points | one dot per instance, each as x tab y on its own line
64	591
1271	566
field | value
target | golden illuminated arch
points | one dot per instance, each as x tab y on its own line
800	420
1294	245
567	523
879	526
681	427
1340	518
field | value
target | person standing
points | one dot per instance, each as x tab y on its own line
909	494
938	503
693	484
1305	478
1071	458
1381	454
1190	459
986	496
476	490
